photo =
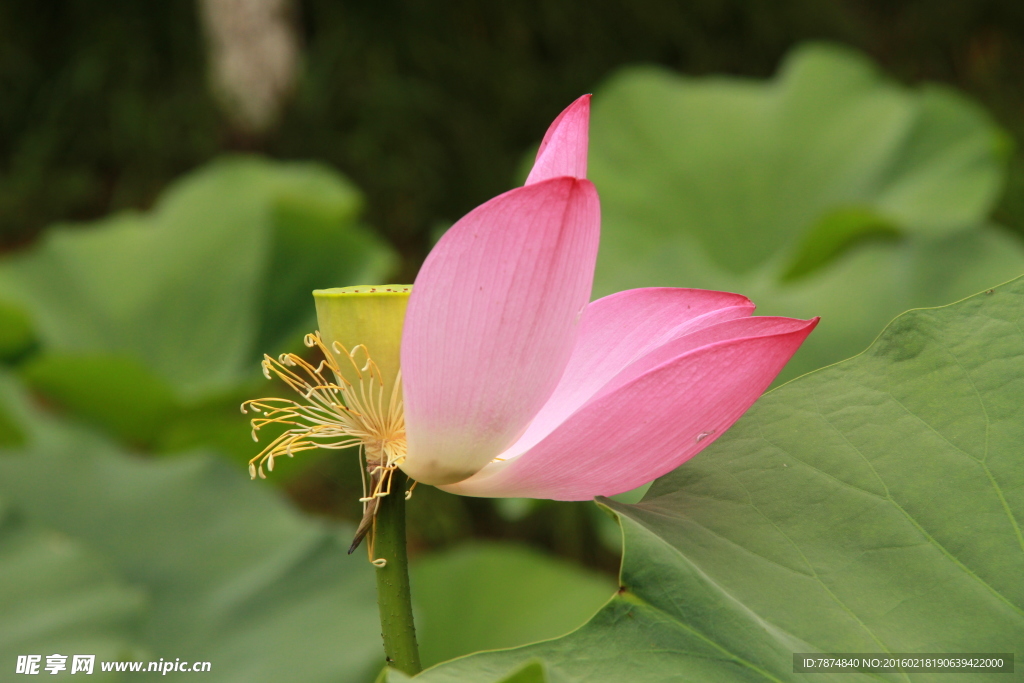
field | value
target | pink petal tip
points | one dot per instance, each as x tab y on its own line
563	152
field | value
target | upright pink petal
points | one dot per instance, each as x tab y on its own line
649	425
491	323
563	151
623	327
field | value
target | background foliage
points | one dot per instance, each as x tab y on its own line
426	107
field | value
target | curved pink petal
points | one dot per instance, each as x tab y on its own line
563	151
650	424
491	323
623	327
743	328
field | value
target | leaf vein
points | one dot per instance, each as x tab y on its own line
910	518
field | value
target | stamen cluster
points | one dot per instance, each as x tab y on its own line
335	413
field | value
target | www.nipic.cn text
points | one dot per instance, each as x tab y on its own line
86	664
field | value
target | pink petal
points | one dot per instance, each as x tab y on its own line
651	423
622	327
563	151
491	323
742	328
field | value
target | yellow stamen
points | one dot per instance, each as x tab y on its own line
336	413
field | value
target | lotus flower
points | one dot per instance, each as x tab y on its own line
512	382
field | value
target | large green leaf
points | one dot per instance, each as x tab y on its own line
485	597
161	310
873	506
234	576
57	597
828	191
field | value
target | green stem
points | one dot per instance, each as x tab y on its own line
393	597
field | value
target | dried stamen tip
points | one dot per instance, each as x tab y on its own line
365	525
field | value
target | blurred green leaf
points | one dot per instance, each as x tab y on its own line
235	576
57	597
317	241
858	295
116	393
124	398
218	273
532	672
145	318
831	235
485	597
873	506
10	434
218	423
16	334
780	190
746	167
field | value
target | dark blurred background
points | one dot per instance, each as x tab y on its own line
428	107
